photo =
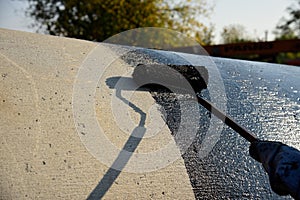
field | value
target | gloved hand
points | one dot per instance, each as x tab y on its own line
282	163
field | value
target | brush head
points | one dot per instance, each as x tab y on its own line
183	78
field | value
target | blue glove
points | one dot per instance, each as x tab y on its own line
282	163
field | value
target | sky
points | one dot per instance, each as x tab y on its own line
257	16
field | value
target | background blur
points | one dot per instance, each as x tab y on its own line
211	23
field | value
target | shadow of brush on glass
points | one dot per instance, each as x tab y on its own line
281	162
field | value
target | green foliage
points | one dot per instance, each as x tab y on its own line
99	19
285	57
235	33
289	28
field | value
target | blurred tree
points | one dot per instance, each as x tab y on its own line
290	28
234	33
99	19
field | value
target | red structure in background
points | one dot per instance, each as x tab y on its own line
262	51
259	50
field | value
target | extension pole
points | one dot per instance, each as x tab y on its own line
227	120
